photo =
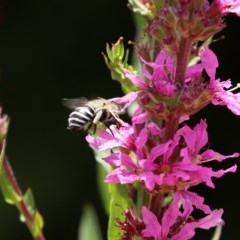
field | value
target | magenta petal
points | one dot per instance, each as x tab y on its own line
229	6
135	79
232	101
145	71
150	180
188	231
170	216
223	97
142	138
210	155
197	201
127	162
153	228
194	71
96	142
154	129
209	61
159	150
195	138
113	160
125	100
104	142
212	220
122	176
220	173
139	116
201	135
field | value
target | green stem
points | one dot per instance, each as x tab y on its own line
22	205
180	76
183	60
173	122
156	204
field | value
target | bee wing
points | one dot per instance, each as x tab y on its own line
73	103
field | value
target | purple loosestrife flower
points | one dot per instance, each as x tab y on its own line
167	166
157	154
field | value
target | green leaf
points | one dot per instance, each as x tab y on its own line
9	193
119	201
109	53
89	227
29	200
38	224
36	228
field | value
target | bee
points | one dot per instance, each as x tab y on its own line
88	113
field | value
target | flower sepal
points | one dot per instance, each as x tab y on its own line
116	58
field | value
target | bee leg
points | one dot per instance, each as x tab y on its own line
107	126
97	117
95	121
94	128
116	119
89	127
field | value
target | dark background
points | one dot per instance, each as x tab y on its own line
51	49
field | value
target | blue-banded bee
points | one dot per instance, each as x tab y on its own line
88	113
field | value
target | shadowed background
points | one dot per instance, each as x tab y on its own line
51	50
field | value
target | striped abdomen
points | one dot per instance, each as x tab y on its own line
81	117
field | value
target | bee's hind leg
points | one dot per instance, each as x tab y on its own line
108	127
90	126
94	122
